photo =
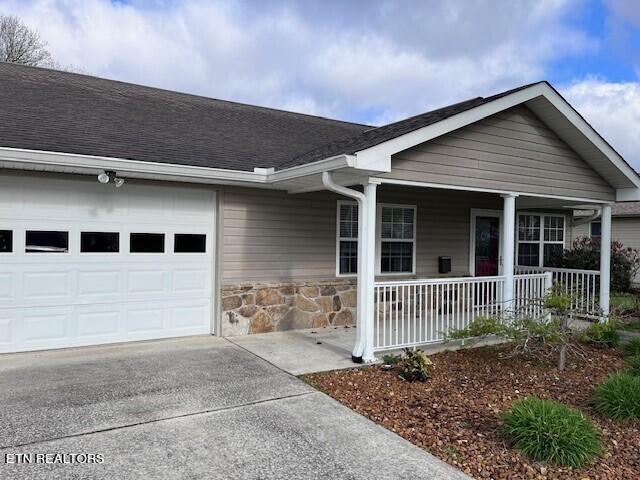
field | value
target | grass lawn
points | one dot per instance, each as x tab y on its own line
455	414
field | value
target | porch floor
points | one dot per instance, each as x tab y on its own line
298	351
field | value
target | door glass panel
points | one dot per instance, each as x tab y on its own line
189	243
487	246
6	241
100	242
39	241
146	243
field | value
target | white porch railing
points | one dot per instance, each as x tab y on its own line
582	285
410	313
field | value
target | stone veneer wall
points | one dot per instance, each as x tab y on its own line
272	307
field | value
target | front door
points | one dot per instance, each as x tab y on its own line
487	246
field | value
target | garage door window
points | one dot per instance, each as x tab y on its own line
99	242
189	243
146	243
45	241
6	241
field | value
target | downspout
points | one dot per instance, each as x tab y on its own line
329	184
594	216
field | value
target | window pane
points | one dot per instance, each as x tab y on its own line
348	221
529	228
397	223
6	241
190	243
551	250
529	254
396	257
348	257
99	242
553	229
596	229
146	243
47	241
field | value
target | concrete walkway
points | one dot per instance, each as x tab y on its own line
198	407
318	350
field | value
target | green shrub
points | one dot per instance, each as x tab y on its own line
602	334
415	366
634	365
618	397
551	432
479	327
632	348
391	359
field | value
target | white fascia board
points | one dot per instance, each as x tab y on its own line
378	157
325	165
63	162
124	166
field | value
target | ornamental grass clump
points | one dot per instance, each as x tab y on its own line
634	365
603	335
551	432
632	348
618	397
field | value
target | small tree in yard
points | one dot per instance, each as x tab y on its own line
542	337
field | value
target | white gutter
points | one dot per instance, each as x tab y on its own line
90	164
581	221
329	184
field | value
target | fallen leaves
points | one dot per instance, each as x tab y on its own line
456	414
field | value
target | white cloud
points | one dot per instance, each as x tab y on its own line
356	60
613	109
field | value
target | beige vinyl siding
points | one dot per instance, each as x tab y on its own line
272	236
512	150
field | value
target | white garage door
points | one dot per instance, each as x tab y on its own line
82	263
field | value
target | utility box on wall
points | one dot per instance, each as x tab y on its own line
444	264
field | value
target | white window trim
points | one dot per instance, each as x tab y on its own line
541	242
595	221
414	240
378	239
339	238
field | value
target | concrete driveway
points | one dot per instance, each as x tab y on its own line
200	407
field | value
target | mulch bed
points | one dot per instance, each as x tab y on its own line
455	415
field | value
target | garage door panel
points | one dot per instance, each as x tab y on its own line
53	300
99	322
190	281
188	317
47	285
144	320
100	285
8	284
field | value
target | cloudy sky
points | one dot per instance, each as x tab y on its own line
370	61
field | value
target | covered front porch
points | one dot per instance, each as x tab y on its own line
502	273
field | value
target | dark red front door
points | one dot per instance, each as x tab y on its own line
487	246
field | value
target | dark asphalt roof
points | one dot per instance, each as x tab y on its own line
43	109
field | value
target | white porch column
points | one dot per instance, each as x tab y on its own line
369	274
508	249
605	258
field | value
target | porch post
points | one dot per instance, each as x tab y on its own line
605	258
508	249
369	273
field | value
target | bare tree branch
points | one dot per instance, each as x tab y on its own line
20	44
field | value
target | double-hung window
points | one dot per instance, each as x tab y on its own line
395	231
347	238
396	238
595	230
540	237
